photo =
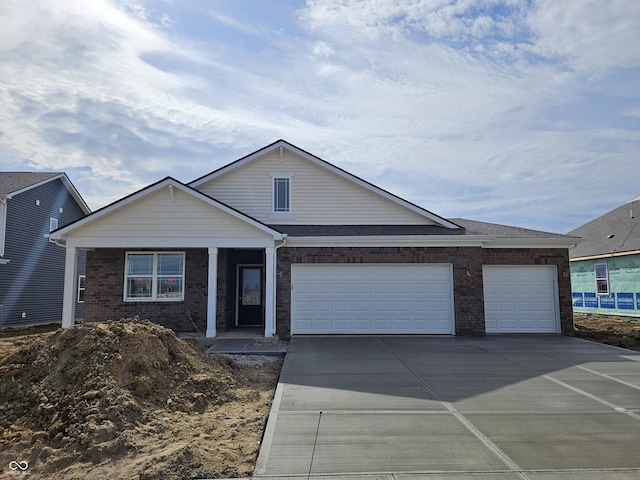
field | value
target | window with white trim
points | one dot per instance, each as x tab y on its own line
154	276
53	224
602	278
81	288
281	194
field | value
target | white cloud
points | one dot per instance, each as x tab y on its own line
590	35
321	49
486	109
86	94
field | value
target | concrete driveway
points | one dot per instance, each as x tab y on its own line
495	407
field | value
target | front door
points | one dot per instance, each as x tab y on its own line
249	298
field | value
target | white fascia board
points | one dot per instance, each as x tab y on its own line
327	166
482	241
90	243
605	255
62	233
75	194
531	242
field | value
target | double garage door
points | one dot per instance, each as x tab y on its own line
417	299
372	299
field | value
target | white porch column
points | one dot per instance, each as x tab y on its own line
69	294
212	292
270	294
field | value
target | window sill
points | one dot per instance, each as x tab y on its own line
282	215
153	300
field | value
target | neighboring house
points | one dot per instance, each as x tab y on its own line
32	268
285	242
605	267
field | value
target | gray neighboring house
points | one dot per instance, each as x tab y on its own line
605	267
285	243
31	267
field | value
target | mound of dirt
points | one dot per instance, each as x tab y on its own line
613	330
128	399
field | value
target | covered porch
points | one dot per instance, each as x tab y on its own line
220	289
168	254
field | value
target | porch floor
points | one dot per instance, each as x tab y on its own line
245	341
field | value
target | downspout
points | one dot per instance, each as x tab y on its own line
3	222
275	276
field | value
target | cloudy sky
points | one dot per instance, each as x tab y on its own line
523	112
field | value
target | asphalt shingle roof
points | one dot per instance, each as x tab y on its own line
616	231
474	227
469	227
13	181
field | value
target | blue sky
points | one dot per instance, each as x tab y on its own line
522	112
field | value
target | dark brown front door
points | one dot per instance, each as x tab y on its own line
249	298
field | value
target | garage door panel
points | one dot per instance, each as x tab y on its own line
402	289
305	287
322	306
321	288
382	307
520	299
359	288
372	298
401	307
340	306
362	324
362	307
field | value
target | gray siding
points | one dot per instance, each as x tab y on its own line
32	282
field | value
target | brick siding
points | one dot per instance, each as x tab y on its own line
105	284
467	264
105	280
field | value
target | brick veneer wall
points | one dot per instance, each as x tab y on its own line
105	284
467	263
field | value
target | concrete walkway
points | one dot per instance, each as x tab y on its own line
247	346
436	408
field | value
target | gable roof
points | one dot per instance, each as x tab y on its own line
59	234
14	183
328	166
614	233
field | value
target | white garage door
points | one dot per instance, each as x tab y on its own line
372	298
521	299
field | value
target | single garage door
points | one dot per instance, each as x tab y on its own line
521	299
372	299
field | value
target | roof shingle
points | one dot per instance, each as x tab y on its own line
13	181
616	231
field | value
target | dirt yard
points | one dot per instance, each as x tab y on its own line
619	331
127	400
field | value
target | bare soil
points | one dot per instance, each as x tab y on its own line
613	330
127	400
